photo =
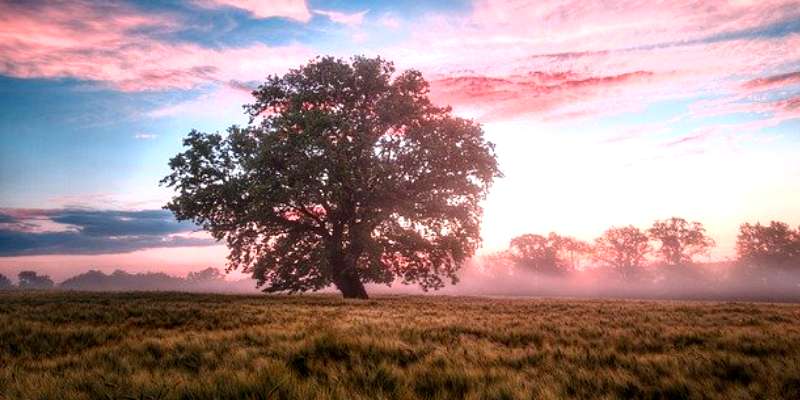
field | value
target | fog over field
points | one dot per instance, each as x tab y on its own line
487	276
722	281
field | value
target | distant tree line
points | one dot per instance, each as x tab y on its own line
28	280
209	279
659	260
673	243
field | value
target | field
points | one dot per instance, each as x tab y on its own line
62	345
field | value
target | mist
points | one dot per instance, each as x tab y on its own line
488	276
209	280
728	281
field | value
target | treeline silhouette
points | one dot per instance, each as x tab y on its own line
207	280
659	262
672	243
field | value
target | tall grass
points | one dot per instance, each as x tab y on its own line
190	346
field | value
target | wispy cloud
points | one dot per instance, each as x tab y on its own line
349	19
292	9
694	137
773	81
145	136
534	93
770	112
223	101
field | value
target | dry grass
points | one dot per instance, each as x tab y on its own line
189	346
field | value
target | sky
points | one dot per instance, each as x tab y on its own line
604	113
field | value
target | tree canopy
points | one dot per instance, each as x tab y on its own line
346	174
622	248
679	240
776	244
204	276
32	280
552	254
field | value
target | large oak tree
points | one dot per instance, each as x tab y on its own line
346	174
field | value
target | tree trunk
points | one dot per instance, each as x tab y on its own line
345	277
350	286
343	265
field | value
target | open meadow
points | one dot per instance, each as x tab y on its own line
63	345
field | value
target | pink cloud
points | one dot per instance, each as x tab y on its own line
775	111
787	109
533	93
507	59
697	136
640	130
601	43
580	25
113	46
292	9
768	115
353	19
773	81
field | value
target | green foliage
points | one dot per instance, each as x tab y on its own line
188	346
346	174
